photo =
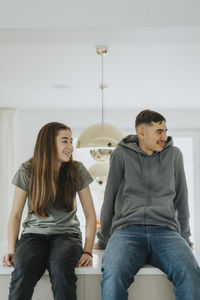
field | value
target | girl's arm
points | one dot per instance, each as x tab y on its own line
89	212
14	224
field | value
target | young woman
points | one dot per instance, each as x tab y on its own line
51	238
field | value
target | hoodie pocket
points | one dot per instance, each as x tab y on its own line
161	208
133	205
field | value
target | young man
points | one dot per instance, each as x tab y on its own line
145	215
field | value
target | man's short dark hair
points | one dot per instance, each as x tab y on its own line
147	116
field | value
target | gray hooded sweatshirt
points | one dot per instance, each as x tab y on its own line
143	189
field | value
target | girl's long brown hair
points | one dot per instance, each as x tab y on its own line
44	187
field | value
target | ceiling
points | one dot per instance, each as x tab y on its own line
48	57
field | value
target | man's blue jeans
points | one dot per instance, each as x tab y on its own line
58	254
132	247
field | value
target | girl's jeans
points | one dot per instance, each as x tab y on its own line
58	254
132	247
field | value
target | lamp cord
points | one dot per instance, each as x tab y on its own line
102	92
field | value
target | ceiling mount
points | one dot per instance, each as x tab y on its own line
102	50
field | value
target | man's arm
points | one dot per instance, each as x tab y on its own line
114	180
181	199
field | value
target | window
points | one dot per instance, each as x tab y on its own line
185	144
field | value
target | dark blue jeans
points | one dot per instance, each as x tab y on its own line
132	247
34	254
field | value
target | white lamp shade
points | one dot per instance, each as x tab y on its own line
99	172
100	135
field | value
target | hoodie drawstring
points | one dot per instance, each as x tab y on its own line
141	165
160	163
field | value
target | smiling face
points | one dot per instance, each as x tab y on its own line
64	146
152	137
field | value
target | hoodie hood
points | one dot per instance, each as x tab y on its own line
131	142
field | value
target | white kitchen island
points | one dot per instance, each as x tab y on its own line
150	283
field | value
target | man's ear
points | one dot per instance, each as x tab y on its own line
140	132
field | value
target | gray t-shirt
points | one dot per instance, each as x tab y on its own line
58	221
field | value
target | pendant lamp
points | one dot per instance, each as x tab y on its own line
99	172
100	138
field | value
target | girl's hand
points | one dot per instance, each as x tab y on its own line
8	260
85	260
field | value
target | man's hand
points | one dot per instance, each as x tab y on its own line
96	246
192	245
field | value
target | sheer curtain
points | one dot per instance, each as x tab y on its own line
6	168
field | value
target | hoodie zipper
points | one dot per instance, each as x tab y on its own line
149	188
149	177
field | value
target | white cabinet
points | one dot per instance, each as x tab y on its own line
145	287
